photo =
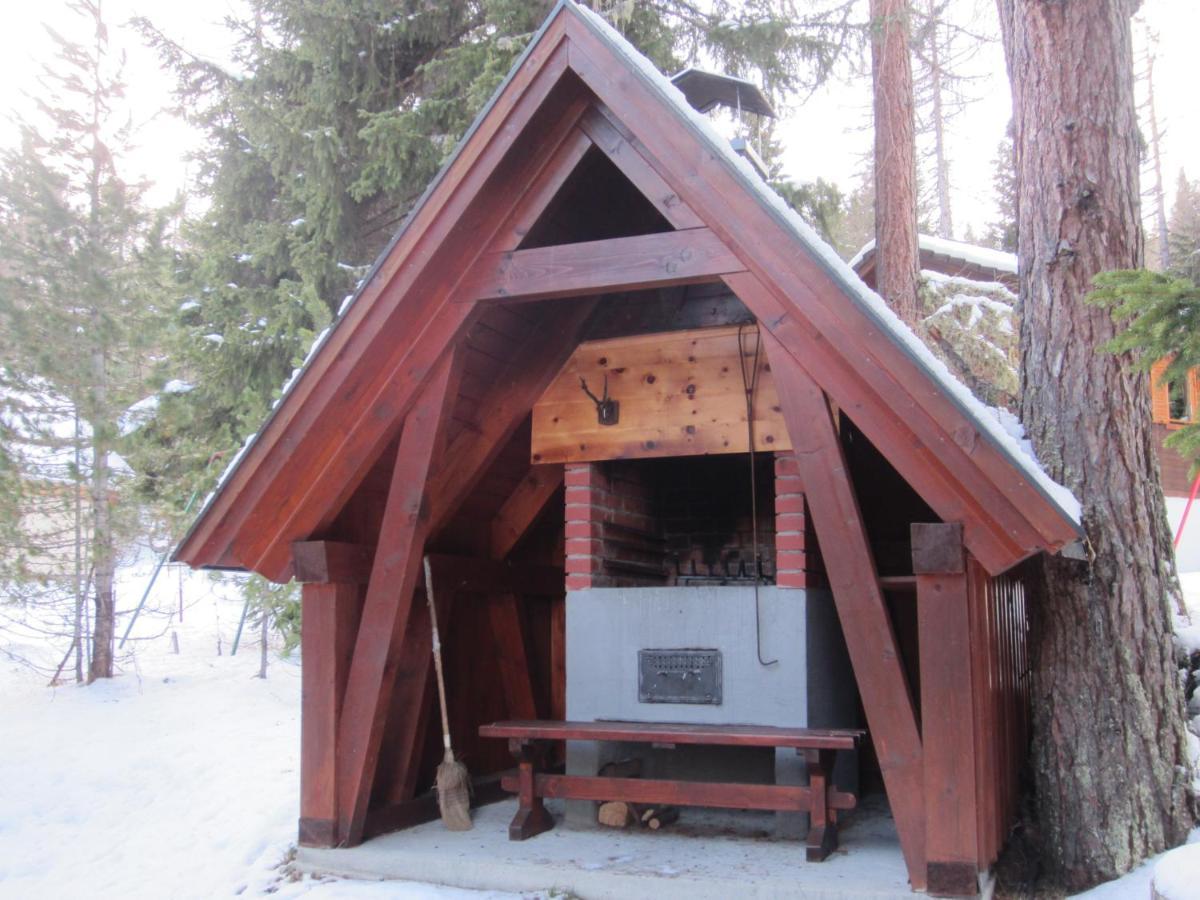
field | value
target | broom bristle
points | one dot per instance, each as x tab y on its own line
454	794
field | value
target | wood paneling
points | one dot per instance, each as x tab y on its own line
681	394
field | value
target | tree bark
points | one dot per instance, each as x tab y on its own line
1109	755
896	261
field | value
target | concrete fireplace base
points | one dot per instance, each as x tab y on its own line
809	684
706	856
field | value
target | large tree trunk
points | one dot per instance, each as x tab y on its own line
1109	753
896	262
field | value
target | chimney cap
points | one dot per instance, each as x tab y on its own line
704	90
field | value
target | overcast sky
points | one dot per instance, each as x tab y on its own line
826	136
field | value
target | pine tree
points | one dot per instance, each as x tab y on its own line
1002	232
75	321
1184	230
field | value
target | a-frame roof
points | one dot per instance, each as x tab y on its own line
579	85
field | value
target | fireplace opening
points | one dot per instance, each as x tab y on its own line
679	521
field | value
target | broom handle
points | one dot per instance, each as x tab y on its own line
437	655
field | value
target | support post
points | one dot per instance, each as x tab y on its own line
329	621
947	710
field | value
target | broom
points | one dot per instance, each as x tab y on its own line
453	781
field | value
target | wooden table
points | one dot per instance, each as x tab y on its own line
529	740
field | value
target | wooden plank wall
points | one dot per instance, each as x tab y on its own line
681	393
1000	678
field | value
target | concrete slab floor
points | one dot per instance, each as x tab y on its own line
707	855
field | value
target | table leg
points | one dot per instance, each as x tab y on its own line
822	834
532	817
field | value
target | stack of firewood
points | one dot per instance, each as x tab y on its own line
622	814
619	814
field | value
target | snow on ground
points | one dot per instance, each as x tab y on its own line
178	779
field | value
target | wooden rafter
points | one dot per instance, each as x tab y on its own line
595	267
388	608
533	365
862	610
523	507
541	191
619	146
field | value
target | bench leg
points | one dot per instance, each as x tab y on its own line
532	817
822	835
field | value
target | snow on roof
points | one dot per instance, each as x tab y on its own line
968	253
999	426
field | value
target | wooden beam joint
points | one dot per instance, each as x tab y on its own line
937	548
331	562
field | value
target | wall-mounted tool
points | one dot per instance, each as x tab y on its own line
608	411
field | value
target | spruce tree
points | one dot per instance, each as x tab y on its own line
1001	233
77	326
1184	230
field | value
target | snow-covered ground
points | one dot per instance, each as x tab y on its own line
178	779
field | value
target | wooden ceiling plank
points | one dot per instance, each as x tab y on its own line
862	609
395	572
593	267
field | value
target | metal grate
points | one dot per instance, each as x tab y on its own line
679	676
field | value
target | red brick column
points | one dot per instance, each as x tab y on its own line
797	558
587	497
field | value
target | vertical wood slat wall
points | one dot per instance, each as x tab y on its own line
1000	628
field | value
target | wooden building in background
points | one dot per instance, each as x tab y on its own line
591	225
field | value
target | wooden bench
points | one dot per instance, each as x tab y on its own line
530	740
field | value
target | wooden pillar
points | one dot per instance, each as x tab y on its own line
331	604
947	710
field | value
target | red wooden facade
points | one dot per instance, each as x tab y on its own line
585	203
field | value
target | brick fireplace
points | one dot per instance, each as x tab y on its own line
660	557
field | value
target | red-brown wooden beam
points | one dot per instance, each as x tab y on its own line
532	367
388	608
595	267
331	562
947	710
329	620
862	610
523	507
619	145
541	191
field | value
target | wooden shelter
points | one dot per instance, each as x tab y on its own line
589	203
